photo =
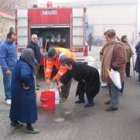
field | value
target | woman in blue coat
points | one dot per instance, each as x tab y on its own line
23	107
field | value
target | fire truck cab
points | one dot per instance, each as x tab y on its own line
55	25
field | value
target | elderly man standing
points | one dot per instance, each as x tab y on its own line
8	58
34	46
114	57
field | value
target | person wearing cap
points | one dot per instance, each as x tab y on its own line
55	57
87	77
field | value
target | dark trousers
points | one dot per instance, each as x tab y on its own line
81	90
139	77
65	90
127	70
121	90
114	95
36	71
89	47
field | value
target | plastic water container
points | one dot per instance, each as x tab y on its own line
57	97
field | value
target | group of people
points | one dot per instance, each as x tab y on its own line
116	54
8	58
65	62
19	78
19	75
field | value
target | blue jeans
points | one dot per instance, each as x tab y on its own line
7	84
114	95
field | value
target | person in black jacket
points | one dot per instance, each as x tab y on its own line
137	63
34	46
87	77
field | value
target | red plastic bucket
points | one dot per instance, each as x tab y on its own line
48	100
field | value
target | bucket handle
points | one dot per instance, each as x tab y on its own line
45	99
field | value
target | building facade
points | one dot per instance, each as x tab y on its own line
12	4
7	21
121	16
6	24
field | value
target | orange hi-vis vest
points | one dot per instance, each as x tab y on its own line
56	62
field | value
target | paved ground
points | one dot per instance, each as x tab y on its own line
81	123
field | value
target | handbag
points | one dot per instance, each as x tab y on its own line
115	77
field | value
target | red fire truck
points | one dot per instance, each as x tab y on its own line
62	25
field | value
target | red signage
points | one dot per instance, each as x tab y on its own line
51	16
49	12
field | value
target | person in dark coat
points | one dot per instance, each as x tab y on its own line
129	54
87	77
23	107
90	41
137	63
35	47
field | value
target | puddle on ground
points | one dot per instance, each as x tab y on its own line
67	112
59	120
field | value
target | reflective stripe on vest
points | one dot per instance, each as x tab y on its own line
61	73
48	70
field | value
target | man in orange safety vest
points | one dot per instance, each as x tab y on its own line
54	58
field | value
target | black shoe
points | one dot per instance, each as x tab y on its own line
89	104
80	101
107	102
16	124
111	109
38	85
32	131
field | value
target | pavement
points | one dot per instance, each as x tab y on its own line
70	121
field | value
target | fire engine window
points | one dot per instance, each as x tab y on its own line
53	36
